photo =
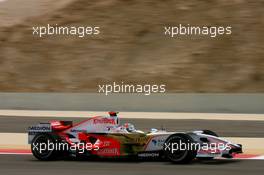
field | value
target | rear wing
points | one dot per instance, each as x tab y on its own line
39	128
52	126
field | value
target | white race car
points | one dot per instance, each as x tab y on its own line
103	136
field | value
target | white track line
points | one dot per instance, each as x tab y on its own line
4	153
258	158
140	115
13	139
251	158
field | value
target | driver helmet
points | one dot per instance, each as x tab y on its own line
129	127
113	114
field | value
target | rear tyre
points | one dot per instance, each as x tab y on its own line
176	152
40	148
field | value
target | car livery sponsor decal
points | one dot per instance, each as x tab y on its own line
148	155
78	130
108	152
40	128
104	121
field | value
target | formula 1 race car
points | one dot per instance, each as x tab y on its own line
103	136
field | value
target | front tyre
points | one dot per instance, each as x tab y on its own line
41	147
180	148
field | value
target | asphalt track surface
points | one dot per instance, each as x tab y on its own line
27	165
9	124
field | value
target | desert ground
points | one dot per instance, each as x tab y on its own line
131	46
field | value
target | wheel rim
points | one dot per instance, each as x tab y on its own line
42	140
177	154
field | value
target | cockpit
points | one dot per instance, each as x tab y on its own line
122	128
